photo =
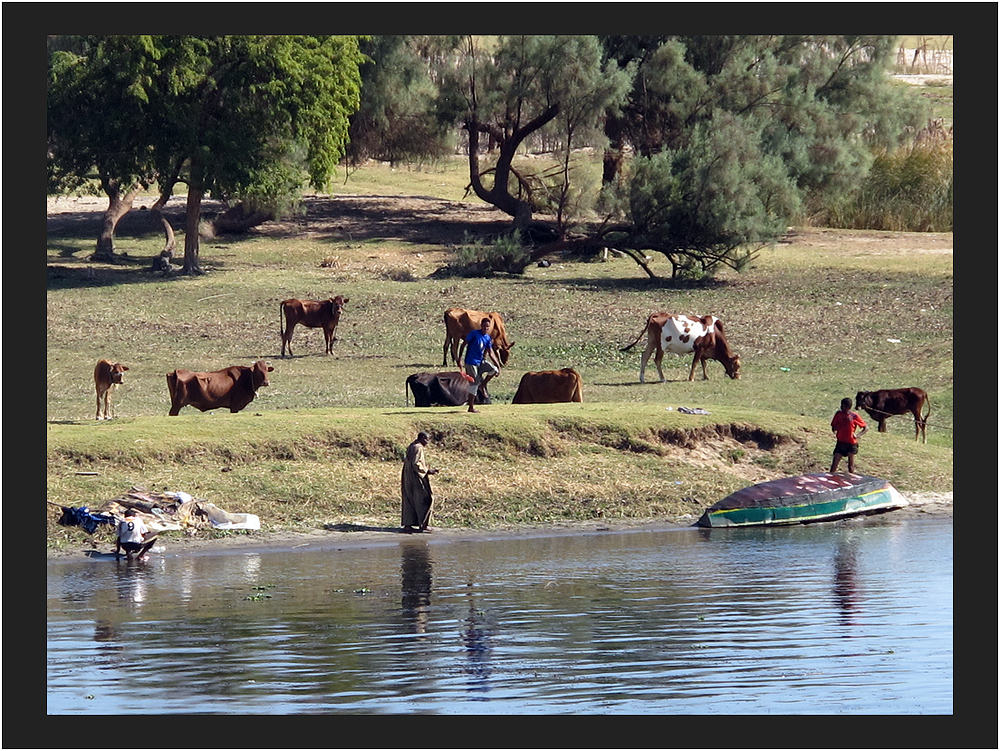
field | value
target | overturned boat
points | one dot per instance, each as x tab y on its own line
804	499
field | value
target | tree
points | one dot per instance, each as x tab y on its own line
508	90
98	114
237	117
395	121
736	135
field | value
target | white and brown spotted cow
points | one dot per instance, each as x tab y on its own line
683	335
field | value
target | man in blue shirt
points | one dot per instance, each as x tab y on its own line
478	359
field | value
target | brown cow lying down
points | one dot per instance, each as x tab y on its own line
107	375
313	314
885	403
549	386
234	387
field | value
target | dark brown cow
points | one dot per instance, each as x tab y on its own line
885	403
314	314
233	387
449	389
683	335
458	322
549	387
107	375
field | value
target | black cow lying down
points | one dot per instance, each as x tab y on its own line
449	389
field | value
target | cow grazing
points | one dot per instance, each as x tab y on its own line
549	387
442	389
314	314
107	375
885	403
684	335
458	322
233	387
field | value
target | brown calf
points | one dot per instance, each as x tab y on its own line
107	375
885	403
313	314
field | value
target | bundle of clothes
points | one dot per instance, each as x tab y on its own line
160	512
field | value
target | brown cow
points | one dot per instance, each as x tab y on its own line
234	387
885	403
107	375
314	314
549	387
459	322
682	335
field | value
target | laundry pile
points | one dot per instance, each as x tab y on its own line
169	510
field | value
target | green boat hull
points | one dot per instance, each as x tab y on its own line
802	500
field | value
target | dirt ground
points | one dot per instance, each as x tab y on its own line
362	535
435	221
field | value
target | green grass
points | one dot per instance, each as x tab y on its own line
323	443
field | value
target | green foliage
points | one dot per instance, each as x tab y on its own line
517	88
239	117
739	136
710	204
910	189
395	121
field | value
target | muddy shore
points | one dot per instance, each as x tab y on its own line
364	535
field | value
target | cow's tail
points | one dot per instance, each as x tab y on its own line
927	403
641	334
406	393
281	323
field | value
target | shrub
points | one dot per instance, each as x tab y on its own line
504	254
907	190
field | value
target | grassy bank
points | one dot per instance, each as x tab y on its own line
818	317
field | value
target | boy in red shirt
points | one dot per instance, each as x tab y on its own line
844	424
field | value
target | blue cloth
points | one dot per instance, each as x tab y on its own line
477	343
81	517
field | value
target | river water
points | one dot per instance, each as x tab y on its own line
853	617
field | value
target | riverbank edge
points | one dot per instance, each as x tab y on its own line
369	535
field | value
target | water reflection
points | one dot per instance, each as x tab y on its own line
635	623
132	581
477	638
845	581
415	570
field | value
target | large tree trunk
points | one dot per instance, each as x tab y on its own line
162	262
500	195
615	132
118	206
192	222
